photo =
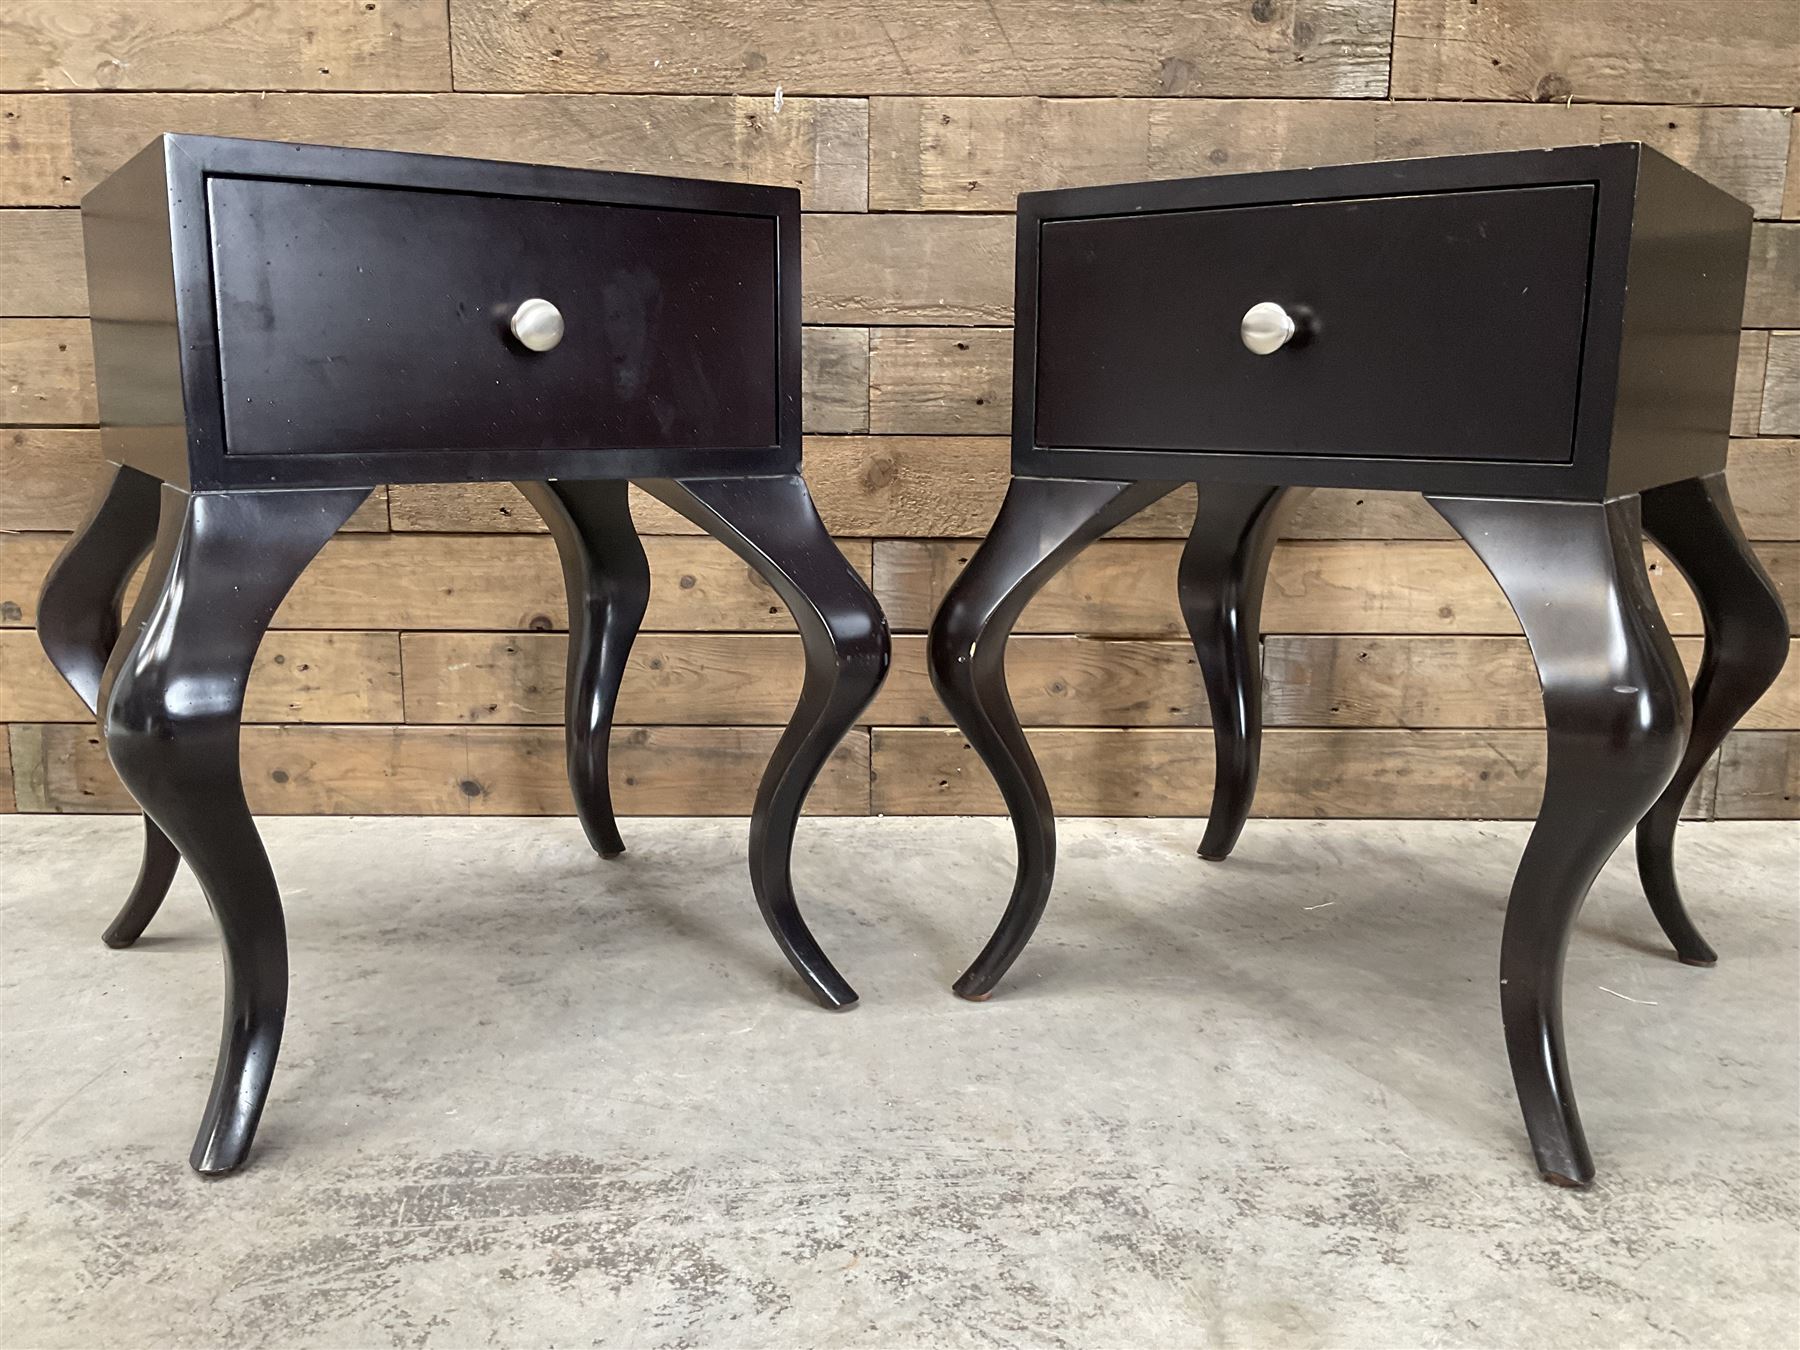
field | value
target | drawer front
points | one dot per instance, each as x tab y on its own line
369	320
1445	326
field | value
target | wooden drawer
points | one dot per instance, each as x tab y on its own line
269	315
1435	326
370	319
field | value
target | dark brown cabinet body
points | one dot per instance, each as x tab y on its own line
1557	324
304	316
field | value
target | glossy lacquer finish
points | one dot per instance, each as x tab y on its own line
1460	327
607	578
771	524
279	327
1746	647
78	626
1042	524
1220	584
1616	712
172	701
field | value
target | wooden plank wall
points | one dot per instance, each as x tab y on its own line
418	665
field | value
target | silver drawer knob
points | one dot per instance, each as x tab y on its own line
1266	328
538	324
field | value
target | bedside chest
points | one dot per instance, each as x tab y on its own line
1544	343
280	328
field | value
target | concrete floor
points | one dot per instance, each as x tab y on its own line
530	1098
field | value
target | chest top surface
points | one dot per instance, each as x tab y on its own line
1558	323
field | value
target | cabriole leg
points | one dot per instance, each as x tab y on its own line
1746	646
78	625
1223	569
607	579
172	703
1616	711
771	524
1042	524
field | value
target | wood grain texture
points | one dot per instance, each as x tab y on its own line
978	154
940	381
1609	51
1772	293
1316	681
884	269
454	771
1780	411
834	380
51	474
41	270
467	582
1790	203
1126	588
46	373
949	487
224	44
8	800
69	142
1759	776
1752	367
1429	775
1335	48
298	677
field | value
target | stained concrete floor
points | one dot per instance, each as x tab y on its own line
529	1098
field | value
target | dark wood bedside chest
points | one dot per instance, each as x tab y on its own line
280	328
1543	343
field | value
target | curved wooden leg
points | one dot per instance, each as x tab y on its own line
1042	524
1223	569
1746	646
78	625
1616	708
607	578
771	524
173	699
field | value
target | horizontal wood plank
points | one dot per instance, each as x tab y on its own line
940	381
978	154
43	273
477	771
1126	588
1747	399
949	487
1759	776
468	582
47	373
1781	387
1338	49
1609	51
297	677
52	473
1772	290
834	380
69	142
1355	681
1429	775
224	44
886	269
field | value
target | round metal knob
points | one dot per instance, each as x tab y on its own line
537	324
1266	328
